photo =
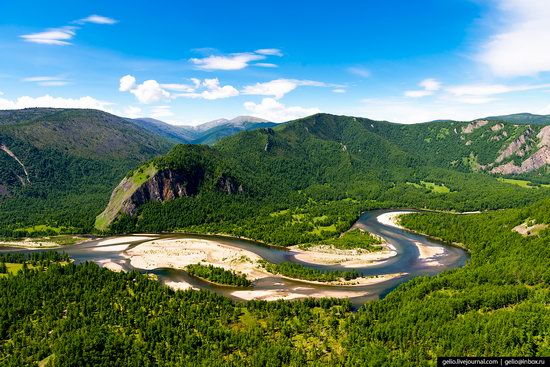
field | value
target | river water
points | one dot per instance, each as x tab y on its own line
407	261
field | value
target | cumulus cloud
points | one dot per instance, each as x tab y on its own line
152	91
127	82
56	102
52	36
149	91
520	47
177	87
272	110
212	90
236	61
429	86
279	87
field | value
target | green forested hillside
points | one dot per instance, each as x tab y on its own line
309	179
62	165
497	305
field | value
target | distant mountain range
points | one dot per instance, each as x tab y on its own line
207	133
522	118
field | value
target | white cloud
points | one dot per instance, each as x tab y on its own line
279	87
47	81
212	90
491	89
276	88
429	86
266	65
269	52
161	111
57	102
362	72
272	110
180	87
97	19
149	91
63	35
520	48
236	61
339	90
132	112
53	36
127	82
152	91
418	93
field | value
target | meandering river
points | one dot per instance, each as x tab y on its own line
408	261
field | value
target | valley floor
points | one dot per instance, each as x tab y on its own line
179	253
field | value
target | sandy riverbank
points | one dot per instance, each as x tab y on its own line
179	253
429	254
123	240
34	243
328	255
111	265
391	219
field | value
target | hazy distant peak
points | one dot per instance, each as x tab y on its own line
238	121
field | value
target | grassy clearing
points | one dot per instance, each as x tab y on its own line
521	183
14	268
432	186
319	229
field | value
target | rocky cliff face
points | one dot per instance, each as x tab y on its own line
537	160
169	184
165	185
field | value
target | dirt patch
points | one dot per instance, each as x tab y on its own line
530	229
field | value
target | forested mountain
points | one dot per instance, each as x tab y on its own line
59	165
176	133
207	133
497	305
259	182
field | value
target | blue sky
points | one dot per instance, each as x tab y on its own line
189	62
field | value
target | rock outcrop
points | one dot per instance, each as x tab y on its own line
537	160
468	129
164	186
518	146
